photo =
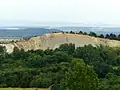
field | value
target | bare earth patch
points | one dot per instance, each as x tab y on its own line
54	40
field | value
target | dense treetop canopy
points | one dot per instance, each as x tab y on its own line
65	68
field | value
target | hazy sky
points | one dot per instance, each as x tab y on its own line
79	11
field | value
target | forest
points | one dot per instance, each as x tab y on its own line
65	68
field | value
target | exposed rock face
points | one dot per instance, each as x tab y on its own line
9	47
54	40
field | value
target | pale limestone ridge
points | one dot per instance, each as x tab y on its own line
54	40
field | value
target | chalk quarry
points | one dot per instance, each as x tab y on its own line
54	40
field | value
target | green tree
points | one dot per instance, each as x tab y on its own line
118	60
112	82
68	48
80	32
85	33
118	37
71	32
93	34
43	80
80	77
2	50
101	36
34	60
107	36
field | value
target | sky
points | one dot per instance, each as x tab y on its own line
68	11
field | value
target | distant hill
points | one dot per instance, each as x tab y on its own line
98	30
25	32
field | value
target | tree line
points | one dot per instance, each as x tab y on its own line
65	68
111	36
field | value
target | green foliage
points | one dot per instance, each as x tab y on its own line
2	50
65	68
80	32
42	80
93	34
112	82
68	48
101	36
118	60
81	77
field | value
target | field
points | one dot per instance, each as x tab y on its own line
22	89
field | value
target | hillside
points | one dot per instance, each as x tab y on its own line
54	40
98	68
